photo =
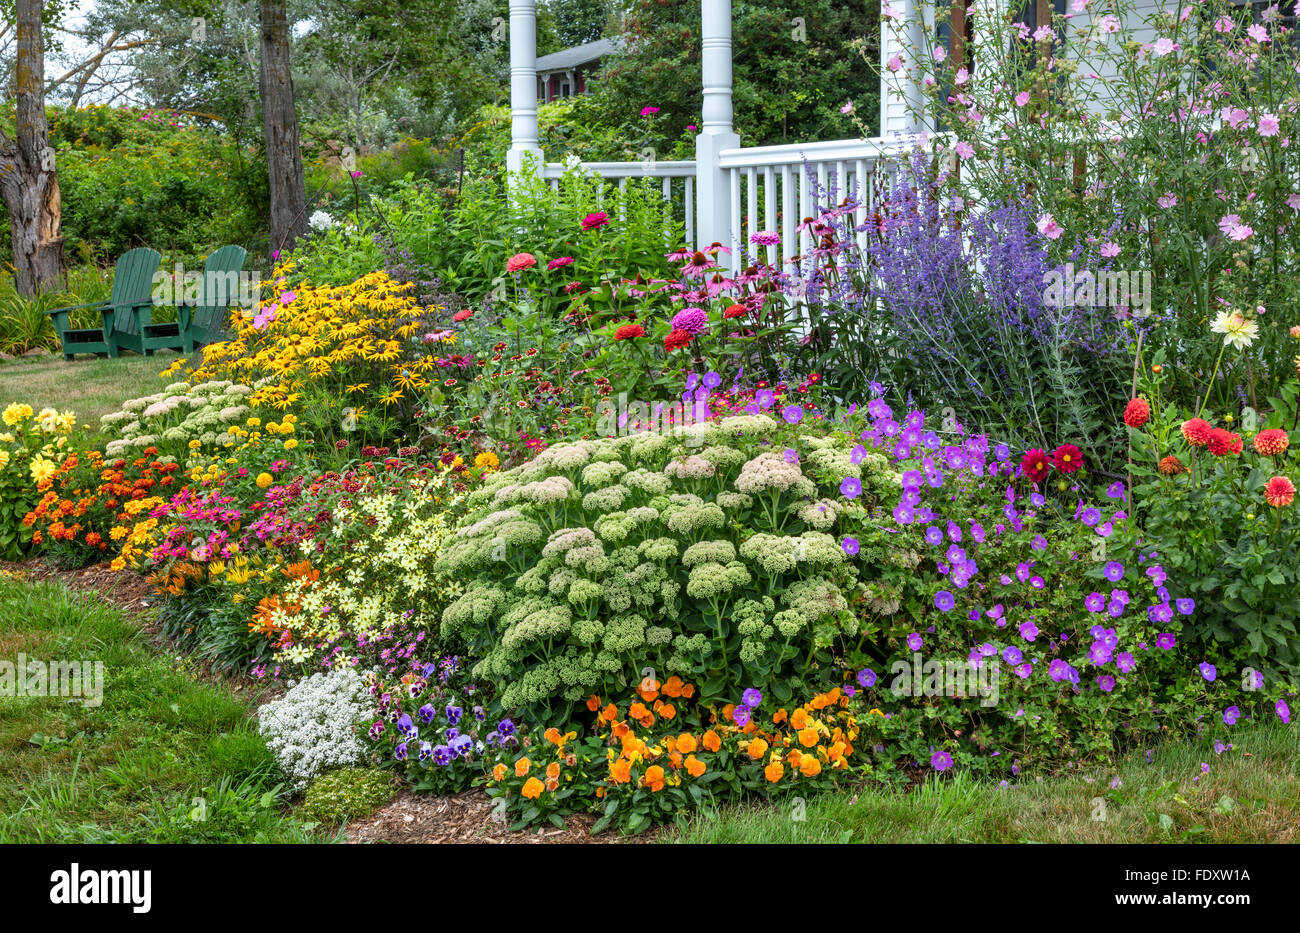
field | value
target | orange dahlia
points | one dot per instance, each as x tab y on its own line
1279	492
1272	442
1171	466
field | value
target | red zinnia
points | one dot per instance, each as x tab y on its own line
1067	458
628	331
1197	431
734	311
1223	442
1272	442
463	315
1035	466
1279	491
677	339
1137	412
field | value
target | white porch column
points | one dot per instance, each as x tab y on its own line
523	85
918	23
712	193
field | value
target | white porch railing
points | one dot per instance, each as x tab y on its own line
774	188
728	192
677	183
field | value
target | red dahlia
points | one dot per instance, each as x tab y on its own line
677	339
1137	412
628	331
1035	466
1197	431
1222	443
1067	458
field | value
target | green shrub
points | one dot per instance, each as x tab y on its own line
347	794
701	555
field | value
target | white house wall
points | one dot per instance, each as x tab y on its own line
894	117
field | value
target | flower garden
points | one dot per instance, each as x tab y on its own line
582	519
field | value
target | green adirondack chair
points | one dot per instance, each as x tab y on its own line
208	320
132	291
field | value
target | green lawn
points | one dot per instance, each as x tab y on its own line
90	386
1250	794
165	758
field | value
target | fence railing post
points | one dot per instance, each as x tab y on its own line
712	188
525	147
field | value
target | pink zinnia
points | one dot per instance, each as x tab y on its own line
692	320
520	261
592	221
559	263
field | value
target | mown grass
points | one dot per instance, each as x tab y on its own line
1250	794
89	386
165	758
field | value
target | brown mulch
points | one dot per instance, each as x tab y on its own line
127	591
467	818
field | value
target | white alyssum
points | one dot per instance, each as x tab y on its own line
313	727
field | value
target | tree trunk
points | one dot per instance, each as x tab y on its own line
280	127
29	182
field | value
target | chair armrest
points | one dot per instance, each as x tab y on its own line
93	304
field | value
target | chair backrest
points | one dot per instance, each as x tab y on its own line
220	287
133	285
